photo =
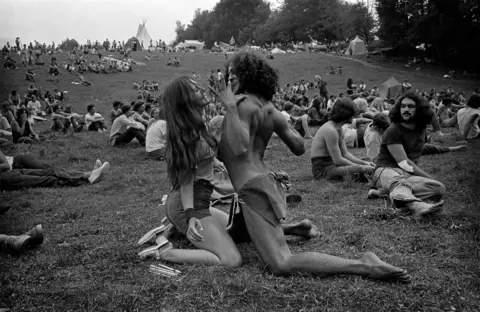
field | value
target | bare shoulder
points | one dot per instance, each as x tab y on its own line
327	129
249	104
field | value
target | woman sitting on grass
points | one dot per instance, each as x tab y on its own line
25	171
22	129
190	156
156	135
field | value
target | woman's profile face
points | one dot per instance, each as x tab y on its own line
200	93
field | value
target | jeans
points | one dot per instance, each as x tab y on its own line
29	172
95	125
128	136
403	187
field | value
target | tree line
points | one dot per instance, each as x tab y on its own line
255	22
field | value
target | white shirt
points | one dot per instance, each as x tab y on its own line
121	124
463	116
10	162
156	136
91	118
36	107
373	141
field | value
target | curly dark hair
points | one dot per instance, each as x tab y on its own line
423	115
254	74
343	109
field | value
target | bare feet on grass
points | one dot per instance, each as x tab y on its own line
304	228
422	209
458	148
383	271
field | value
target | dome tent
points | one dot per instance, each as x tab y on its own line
134	44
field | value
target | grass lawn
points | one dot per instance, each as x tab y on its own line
88	261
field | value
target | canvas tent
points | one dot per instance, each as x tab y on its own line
191	44
133	44
232	41
390	89
143	36
278	51
356	47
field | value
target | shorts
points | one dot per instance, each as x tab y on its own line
323	168
202	191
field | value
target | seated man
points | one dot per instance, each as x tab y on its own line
330	157
296	116
61	121
139	109
5	129
30	75
469	119
375	130
446	116
169	62
25	171
116	111
125	129
93	68
54	67
155	141
397	172
35	107
93	120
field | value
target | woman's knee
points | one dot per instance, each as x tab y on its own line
231	260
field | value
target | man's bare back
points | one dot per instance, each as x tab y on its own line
319	144
261	119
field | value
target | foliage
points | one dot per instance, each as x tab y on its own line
69	44
295	20
447	28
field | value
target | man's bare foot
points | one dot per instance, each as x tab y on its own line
304	228
421	209
383	271
458	148
373	194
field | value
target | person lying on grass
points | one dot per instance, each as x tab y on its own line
22	129
93	120
330	157
397	172
25	171
125	129
380	123
249	124
469	119
190	155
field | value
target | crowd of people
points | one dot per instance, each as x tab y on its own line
214	140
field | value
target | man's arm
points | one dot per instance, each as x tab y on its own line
334	148
468	125
4	165
288	134
238	121
398	152
347	155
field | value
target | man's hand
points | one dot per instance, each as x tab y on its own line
192	233
225	95
367	169
369	163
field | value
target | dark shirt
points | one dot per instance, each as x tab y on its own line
411	140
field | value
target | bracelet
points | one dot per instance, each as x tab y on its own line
189	213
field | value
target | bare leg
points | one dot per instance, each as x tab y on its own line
458	148
217	248
304	228
305	127
421	209
273	249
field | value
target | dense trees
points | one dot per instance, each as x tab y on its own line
294	20
450	30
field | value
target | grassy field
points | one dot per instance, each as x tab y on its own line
88	261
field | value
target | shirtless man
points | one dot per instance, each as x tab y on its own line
248	126
330	157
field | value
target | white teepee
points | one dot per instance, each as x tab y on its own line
143	36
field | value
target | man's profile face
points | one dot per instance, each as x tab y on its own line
408	109
233	79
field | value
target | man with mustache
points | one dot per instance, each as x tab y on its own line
397	171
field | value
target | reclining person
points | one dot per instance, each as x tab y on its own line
25	171
16	244
397	171
331	159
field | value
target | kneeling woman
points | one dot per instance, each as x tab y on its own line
190	155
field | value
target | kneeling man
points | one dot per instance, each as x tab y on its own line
330	157
402	144
248	126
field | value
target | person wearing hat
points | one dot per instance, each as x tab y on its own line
125	129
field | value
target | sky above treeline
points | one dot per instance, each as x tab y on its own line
55	20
